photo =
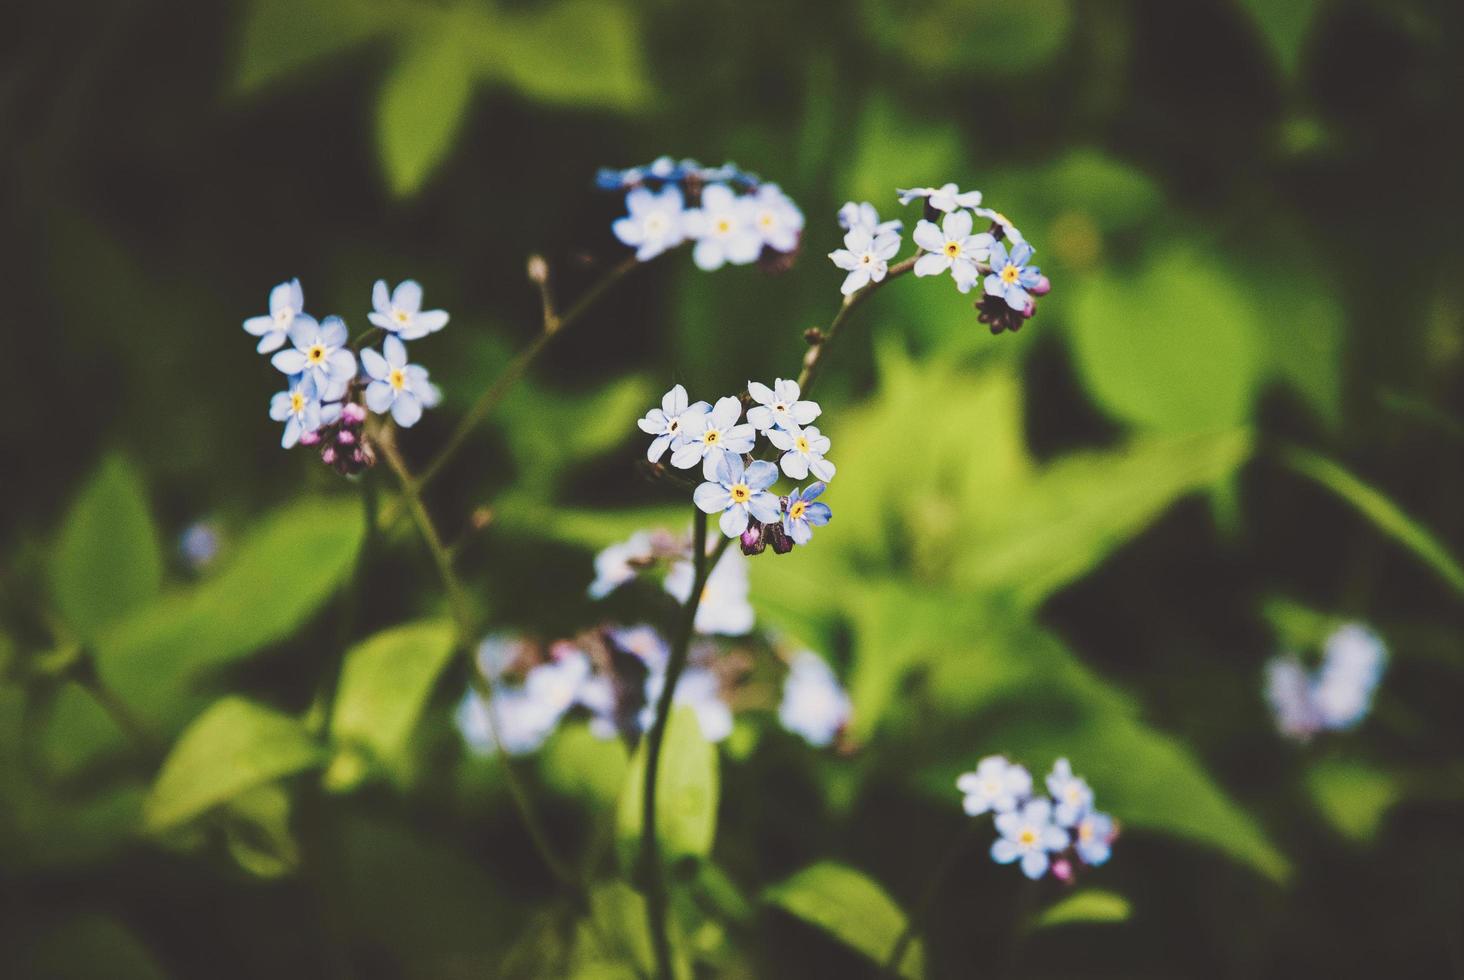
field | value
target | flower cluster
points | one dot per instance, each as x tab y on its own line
737	486
320	405
730	216
1056	833
947	243
1334	697
724	608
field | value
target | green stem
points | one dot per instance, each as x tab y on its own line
914	922
813	360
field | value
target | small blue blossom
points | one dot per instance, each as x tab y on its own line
524	716
996	786
319	351
699	689
779	406
801	515
865	256
396	386
814	705
1008	230
776	218
1011	277
1289	692
669	423
711	436
621	562
1352	665
739	493
300	409
399	311
803	452
1069	792
1093	838
946	198
199	544
855	214
1028	834
286	303
951	246
655	222
724	608
725	229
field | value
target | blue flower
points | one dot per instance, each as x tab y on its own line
1352	664
1030	835
663	168
814	705
779	406
300	409
320	351
739	493
400	311
1093	838
996	785
669	423
857	214
1289	692
1069	792
725	228
699	689
286	302
803	450
802	515
396	385
199	544
1011	276
776	218
654	223
951	246
947	197
724	606
712	435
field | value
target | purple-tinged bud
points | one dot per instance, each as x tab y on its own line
1062	870
328	455
752	539
353	412
1043	287
345	437
778	538
1030	310
310	438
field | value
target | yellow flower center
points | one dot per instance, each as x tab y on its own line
741	493
866	258
953	249
1028	837
797	509
1085	831
1009	273
801	443
398	378
711	437
297	402
723	226
673	425
285	317
316	353
401	316
767	219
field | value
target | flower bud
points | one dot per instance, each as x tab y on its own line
752	539
1062	870
538	270
345	437
353	413
778	538
328	455
1043	287
310	438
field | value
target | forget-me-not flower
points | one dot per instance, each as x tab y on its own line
779	405
645	643
802	514
1093	838
1028	834
656	221
712	436
1008	229
699	689
996	786
725	608
1011	276
669	422
862	214
865	256
621	562
396	386
320	351
286	302
1071	793
803	452
400	311
739	494
776	218
300	409
951	246
946	198
1289	692
814	705
1352	664
724	228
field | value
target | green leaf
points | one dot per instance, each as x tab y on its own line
1298	627
589	424
385	682
283	36
423	105
107	561
852	908
1353	797
257	832
1385	515
77	733
686	793
960	37
578	52
1176	347
1086	906
280	574
89	945
233	747
576	763
1284	24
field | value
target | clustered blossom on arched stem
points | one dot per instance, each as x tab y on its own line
322	404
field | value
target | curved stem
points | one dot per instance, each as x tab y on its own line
813	360
462	613
650	856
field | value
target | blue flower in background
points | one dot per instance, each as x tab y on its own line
286	303
776	218
300	409
712	436
1030	835
802	515
400	311
725	229
814	705
1011	276
669	423
655	222
199	544
1352	665
1093	838
1069	792
396	386
947	197
861	214
320	352
699	689
996	785
724	608
739	494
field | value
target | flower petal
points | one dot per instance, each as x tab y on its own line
733	521
407	296
711	498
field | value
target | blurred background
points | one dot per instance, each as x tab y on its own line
1234	424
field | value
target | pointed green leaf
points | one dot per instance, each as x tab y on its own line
282	36
852	908
423	105
1087	906
1354	797
686	793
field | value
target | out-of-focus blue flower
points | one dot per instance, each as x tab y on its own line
621	562
1028	834
724	608
712	437
656	221
319	351
802	514
286	302
396	386
300	409
777	219
1289	691
400	311
803	452
996	786
699	689
855	215
669	422
865	256
521	723
645	643
779	406
1011	276
951	246
1352	665
1070	794
725	229
1093	838
739	493
946	198
1008	230
814	705
524	716
199	544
